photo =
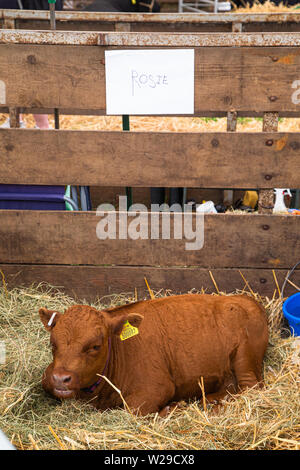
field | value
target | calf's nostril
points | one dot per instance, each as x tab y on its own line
60	379
55	378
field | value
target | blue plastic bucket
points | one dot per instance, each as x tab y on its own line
291	311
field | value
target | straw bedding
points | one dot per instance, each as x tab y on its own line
263	7
257	419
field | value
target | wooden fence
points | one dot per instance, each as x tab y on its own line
152	22
234	73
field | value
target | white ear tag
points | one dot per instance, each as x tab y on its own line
51	319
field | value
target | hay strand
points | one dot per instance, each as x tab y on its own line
152	296
201	385
214	282
61	444
276	282
4	282
294	285
247	284
34	444
119	393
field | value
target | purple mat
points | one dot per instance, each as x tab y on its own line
32	197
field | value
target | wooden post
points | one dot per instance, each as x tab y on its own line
52	14
122	27
237	27
53	27
14	117
266	196
14	113
126	127
9	23
231	127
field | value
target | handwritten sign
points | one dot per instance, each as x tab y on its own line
149	81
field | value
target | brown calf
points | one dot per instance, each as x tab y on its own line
172	342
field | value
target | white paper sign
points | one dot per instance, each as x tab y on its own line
150	81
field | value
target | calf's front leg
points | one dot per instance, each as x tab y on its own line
149	401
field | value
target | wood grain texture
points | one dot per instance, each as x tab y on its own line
249	79
166	26
49	76
141	26
91	282
78	20
50	237
200	160
291	16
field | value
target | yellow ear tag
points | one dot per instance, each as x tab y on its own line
128	331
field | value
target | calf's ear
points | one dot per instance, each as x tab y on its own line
117	323
48	317
135	319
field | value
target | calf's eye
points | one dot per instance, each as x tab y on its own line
93	349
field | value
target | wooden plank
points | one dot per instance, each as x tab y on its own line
142	23
162	23
149	39
211	160
9	23
110	280
157	26
230	240
39	24
50	77
251	79
256	26
182	27
158	18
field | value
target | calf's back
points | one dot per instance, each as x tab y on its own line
183	338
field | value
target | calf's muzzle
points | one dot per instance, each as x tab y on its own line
63	383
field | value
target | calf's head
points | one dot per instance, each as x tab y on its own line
80	341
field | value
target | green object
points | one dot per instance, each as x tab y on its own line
126	127
125	121
68	194
51	1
